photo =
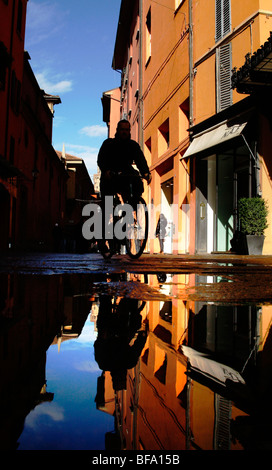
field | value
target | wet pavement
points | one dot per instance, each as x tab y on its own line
168	352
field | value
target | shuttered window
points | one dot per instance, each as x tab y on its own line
222	434
224	66
222	18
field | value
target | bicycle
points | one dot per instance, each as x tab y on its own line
136	224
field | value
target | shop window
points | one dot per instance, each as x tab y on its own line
163	137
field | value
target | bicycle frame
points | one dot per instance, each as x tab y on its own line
114	244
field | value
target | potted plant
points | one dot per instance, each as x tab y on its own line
252	213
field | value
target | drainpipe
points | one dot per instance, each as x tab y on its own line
191	64
140	128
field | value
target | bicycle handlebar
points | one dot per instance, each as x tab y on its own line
121	173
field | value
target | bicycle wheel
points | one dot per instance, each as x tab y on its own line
137	232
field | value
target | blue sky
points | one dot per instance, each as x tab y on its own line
71	44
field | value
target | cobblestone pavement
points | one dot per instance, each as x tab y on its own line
212	277
56	263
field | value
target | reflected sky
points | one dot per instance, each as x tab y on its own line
194	356
67	422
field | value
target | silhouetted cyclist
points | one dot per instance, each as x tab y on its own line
117	155
115	160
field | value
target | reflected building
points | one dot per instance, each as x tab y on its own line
203	379
199	376
30	316
35	312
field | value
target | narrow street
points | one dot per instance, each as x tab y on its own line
163	137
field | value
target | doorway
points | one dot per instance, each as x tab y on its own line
221	180
206	205
167	211
225	202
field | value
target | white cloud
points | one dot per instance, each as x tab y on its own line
94	131
53	86
41	21
52	410
87	153
87	366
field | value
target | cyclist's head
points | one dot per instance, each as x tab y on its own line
123	129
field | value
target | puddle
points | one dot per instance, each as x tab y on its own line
107	361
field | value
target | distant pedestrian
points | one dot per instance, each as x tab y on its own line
161	230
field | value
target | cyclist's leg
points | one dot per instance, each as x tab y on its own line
131	188
107	192
138	232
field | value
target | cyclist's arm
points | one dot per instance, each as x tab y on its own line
147	177
104	155
142	165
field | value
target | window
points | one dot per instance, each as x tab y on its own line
163	137
224	66
15	94
20	17
178	3
26	138
11	150
148	36
148	149
222	18
4	62
184	119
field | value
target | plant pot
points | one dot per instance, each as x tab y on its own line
243	244
254	244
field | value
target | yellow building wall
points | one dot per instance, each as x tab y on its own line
202	415
204	90
165	91
266	177
250	27
266	323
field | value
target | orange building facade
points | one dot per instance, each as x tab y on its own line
229	155
206	140
203	123
32	177
191	387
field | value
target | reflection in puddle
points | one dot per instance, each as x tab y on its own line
174	362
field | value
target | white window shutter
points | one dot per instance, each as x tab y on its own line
224	66
222	18
218	19
226	17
